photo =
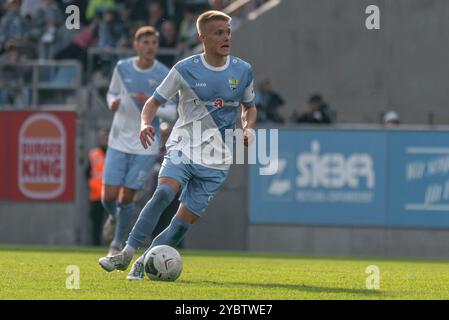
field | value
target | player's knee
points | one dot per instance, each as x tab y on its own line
186	215
108	198
127	196
109	194
126	200
164	194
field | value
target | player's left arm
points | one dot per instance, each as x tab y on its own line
249	111
248	117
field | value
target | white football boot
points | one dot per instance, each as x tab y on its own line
137	271
119	261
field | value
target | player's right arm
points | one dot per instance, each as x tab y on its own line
113	95
147	131
167	89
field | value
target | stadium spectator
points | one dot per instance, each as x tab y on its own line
45	25
12	25
29	8
175	10
140	8
110	29
169	36
319	112
391	119
94	173
136	12
218	4
14	88
123	16
187	31
155	15
268	103
97	6
36	25
168	39
77	49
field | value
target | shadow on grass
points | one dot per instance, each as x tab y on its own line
297	287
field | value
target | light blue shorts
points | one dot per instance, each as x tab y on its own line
126	169
199	184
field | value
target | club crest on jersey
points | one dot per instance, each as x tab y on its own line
233	84
218	103
153	82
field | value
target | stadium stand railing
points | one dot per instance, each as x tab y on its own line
41	84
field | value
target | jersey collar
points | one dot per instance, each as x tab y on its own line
208	66
136	67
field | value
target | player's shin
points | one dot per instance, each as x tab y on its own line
172	235
124	217
110	207
150	214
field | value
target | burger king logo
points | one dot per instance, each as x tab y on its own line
42	144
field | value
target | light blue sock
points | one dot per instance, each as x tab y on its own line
172	235
111	207
124	216
150	214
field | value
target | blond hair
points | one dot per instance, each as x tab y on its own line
145	31
210	16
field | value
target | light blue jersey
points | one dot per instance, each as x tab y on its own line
128	80
209	103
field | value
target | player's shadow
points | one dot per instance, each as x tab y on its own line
298	287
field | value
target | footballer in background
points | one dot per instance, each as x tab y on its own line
127	163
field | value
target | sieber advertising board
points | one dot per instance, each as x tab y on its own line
360	178
334	177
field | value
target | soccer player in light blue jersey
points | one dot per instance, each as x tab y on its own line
213	88
127	162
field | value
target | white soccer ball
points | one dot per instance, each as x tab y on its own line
163	263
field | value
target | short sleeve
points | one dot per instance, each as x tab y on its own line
249	94
169	86
114	86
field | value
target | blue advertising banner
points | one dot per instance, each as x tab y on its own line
418	184
323	177
368	178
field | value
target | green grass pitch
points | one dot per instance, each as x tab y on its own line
30	272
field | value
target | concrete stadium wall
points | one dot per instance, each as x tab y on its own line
323	46
47	222
350	241
41	223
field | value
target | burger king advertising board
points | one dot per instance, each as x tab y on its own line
37	156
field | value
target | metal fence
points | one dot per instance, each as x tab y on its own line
40	84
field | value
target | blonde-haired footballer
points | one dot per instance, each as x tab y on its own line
213	87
